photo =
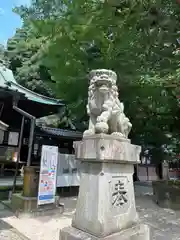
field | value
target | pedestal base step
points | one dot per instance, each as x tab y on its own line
137	232
27	207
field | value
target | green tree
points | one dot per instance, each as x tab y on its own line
137	39
26	50
25	60
3	57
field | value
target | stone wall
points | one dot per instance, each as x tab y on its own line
146	172
167	194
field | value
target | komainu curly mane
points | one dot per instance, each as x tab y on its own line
104	108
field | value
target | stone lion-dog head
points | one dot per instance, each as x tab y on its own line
103	82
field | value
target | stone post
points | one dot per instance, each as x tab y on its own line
106	204
165	170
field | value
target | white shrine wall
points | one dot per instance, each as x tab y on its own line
67	171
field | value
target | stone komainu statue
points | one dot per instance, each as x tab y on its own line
105	110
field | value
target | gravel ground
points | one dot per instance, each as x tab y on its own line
164	223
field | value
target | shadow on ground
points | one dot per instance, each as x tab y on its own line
5	211
7	232
164	223
69	209
4	225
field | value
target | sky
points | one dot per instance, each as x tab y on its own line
9	21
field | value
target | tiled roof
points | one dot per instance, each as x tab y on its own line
62	132
3	126
7	80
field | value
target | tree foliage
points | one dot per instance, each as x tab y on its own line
3	56
61	41
25	54
137	39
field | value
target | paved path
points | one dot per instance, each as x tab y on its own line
8	232
164	223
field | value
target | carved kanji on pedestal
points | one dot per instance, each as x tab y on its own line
119	194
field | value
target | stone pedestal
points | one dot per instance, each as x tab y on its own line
28	206
106	203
